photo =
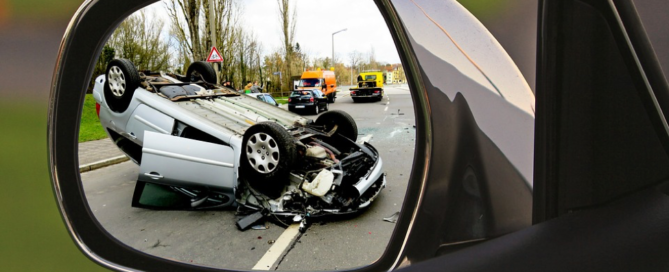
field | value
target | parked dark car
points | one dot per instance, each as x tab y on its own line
312	101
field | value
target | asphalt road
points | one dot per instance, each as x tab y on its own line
210	238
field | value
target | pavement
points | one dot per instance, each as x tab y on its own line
97	154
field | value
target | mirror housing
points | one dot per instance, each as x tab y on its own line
441	169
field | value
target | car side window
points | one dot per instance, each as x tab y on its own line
261	98
270	100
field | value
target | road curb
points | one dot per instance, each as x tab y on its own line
102	163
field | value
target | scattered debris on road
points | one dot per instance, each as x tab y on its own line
392	218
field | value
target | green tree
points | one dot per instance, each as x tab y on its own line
105	57
140	41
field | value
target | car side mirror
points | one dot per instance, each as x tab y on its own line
439	144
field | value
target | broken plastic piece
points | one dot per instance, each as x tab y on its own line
320	185
260	227
297	218
249	220
303	226
392	218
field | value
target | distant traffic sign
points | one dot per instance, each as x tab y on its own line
214	55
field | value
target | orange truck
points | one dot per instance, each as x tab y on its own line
324	80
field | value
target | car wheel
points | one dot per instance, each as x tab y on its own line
316	109
355	100
203	70
327	107
122	79
345	124
268	153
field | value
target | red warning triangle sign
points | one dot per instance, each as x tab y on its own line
214	55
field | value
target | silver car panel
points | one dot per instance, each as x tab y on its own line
145	118
375	173
177	161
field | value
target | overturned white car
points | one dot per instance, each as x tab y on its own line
220	148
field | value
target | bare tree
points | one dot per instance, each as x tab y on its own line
249	58
239	50
187	13
140	41
355	58
287	21
228	33
371	59
273	64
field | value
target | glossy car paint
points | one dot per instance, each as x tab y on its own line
480	180
468	178
304	102
601	188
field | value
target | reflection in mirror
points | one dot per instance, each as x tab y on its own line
282	138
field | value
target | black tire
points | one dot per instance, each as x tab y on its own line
327	107
332	97
355	100
267	172
316	109
121	80
345	124
201	70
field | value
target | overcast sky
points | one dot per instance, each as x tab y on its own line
316	21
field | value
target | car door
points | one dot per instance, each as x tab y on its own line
176	161
145	118
320	98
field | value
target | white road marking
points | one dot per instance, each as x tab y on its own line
365	139
278	248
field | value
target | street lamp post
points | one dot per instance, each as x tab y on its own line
333	44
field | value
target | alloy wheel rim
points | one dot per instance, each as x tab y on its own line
262	152
116	81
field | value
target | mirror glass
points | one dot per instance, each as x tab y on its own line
253	134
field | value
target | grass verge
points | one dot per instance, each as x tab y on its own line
90	128
282	100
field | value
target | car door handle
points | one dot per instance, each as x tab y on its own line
154	175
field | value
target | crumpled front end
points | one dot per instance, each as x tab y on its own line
327	184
